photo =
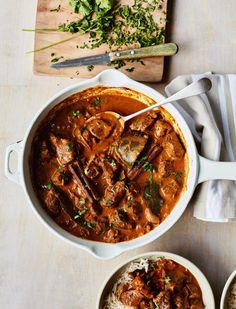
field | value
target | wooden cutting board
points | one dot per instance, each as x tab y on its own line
152	71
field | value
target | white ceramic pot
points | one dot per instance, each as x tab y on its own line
200	169
226	290
207	295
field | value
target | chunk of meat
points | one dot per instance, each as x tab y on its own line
145	122
178	302
130	146
151	217
169	188
64	149
139	285
87	138
194	292
99	128
114	194
173	147
198	305
161	128
131	298
51	201
165	167
163	300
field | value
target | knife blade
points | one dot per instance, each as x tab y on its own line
168	49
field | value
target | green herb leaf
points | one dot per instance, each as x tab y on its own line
56	9
105	4
97	102
110	202
111	161
167	280
76	113
152	195
130	69
47	185
90	68
81	213
69	147
83	201
56	59
113	226
89	225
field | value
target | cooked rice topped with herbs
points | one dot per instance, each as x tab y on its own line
231	300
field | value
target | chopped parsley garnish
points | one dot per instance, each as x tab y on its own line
129	200
90	68
56	9
97	102
118	64
76	113
113	226
179	175
108	22
83	201
148	167
111	161
140	161
89	225
47	185
69	147
167	280
110	202
116	25
81	213
130	69
56	59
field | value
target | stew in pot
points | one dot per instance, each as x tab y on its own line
99	182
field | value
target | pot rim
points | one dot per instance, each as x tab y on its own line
206	289
112	78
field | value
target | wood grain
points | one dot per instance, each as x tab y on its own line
152	71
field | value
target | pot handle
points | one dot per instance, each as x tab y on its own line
106	252
13	176
212	170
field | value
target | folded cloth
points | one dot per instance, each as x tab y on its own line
212	120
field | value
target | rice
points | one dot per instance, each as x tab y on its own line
112	301
231	300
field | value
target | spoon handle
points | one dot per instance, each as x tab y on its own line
195	88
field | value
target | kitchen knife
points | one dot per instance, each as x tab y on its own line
168	49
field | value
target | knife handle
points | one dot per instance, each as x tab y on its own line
168	49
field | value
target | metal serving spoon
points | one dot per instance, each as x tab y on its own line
201	86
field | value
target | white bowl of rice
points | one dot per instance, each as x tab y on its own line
228	297
108	296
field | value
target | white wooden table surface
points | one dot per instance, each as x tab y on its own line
38	270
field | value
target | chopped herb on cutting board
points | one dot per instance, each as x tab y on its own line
100	26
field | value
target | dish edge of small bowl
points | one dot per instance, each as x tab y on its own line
228	282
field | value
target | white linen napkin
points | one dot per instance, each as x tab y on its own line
212	120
